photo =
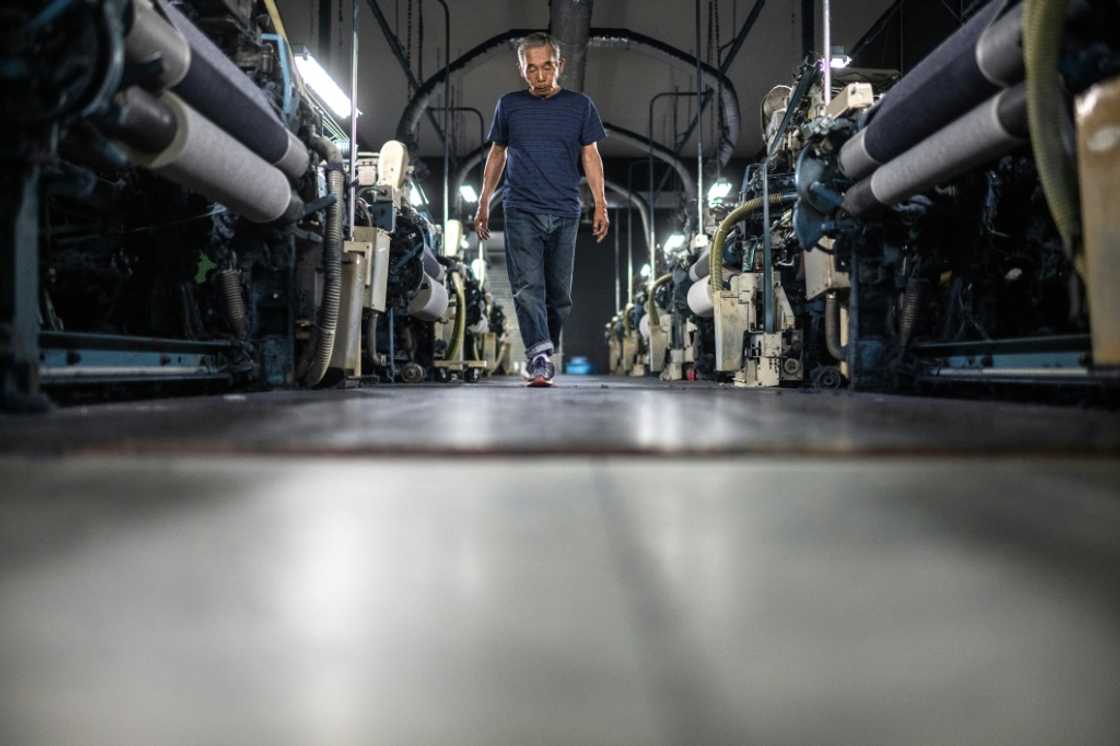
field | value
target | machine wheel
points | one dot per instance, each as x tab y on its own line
412	373
443	375
472	375
827	377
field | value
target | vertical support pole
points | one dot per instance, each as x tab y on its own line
767	252
630	255
19	294
617	272
853	321
323	53
353	191
826	32
699	132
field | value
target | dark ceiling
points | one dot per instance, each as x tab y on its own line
621	81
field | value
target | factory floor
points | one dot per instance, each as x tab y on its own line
606	562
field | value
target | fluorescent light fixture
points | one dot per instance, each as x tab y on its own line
319	81
674	242
469	195
839	60
719	190
646	270
415	197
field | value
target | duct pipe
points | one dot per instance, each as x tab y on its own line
570	23
990	131
203	158
969	67
317	355
634	200
621	134
218	90
651	307
409	122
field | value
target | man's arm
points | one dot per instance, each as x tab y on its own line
491	174
593	170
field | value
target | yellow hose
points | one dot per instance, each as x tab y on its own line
651	308
1043	23
715	254
460	317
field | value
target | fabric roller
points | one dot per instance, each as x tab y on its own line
205	159
989	131
430	302
217	88
980	59
700	299
151	38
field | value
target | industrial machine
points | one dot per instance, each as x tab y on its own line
947	229
187	216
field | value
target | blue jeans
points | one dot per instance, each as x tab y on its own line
540	256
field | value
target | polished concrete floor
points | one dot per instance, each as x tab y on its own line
604	563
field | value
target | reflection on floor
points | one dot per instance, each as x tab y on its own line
861	577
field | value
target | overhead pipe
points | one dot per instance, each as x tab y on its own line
570	24
409	122
621	134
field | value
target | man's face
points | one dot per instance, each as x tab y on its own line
541	68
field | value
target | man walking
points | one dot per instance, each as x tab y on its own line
539	137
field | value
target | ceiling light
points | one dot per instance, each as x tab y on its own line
839	59
468	194
646	270
674	242
320	82
719	190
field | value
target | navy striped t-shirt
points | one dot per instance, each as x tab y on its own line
543	139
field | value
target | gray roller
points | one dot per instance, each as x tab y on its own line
152	38
970	66
699	269
993	129
218	89
205	159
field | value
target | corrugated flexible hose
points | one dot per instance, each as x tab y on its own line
715	255
1043	24
317	356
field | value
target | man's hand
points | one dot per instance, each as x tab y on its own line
601	223
482	219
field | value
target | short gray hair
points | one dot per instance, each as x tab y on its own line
534	40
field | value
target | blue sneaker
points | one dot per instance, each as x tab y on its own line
539	372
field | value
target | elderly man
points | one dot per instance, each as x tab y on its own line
539	137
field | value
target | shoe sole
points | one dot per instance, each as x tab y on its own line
540	382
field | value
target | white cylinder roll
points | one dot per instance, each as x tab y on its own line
430	302
152	38
643	326
700	299
203	158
